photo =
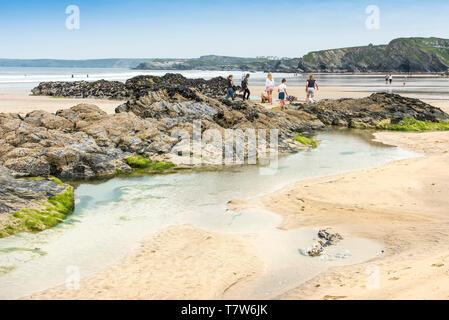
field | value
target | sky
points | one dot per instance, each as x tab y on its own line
187	29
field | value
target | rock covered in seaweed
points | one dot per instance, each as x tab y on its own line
137	86
371	111
32	205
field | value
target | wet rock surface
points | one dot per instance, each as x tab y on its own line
370	111
85	142
16	194
101	89
173	83
326	237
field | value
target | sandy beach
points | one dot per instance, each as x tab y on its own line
20	101
402	205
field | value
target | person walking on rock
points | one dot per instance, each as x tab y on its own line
245	87
311	85
230	92
269	87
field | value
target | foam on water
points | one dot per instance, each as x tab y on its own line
113	216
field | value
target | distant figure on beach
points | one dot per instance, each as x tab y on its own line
269	87
282	89
72	75
386	79
87	76
230	92
390	79
311	85
245	87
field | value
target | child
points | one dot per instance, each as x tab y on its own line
282	89
269	86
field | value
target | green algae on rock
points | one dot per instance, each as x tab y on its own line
306	141
410	124
50	202
140	163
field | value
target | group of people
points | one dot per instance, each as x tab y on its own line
267	95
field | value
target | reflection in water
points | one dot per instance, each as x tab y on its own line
113	216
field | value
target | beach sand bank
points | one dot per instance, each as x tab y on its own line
21	102
403	204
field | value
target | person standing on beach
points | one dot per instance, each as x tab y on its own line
282	89
311	84
390	79
245	87
269	87
386	79
230	92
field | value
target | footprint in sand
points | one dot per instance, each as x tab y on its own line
328	297
437	265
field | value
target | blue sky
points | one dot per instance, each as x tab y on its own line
146	29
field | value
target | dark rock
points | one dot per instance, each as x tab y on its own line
367	112
16	194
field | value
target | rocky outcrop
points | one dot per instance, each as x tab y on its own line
326	238
138	86
85	142
425	55
32	205
81	142
83	89
372	111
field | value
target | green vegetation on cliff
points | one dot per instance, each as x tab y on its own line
400	55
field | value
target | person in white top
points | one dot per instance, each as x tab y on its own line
269	87
282	89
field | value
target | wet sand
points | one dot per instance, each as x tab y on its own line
180	262
404	205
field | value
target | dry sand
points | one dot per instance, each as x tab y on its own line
21	102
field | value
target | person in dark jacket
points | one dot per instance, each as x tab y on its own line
245	87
